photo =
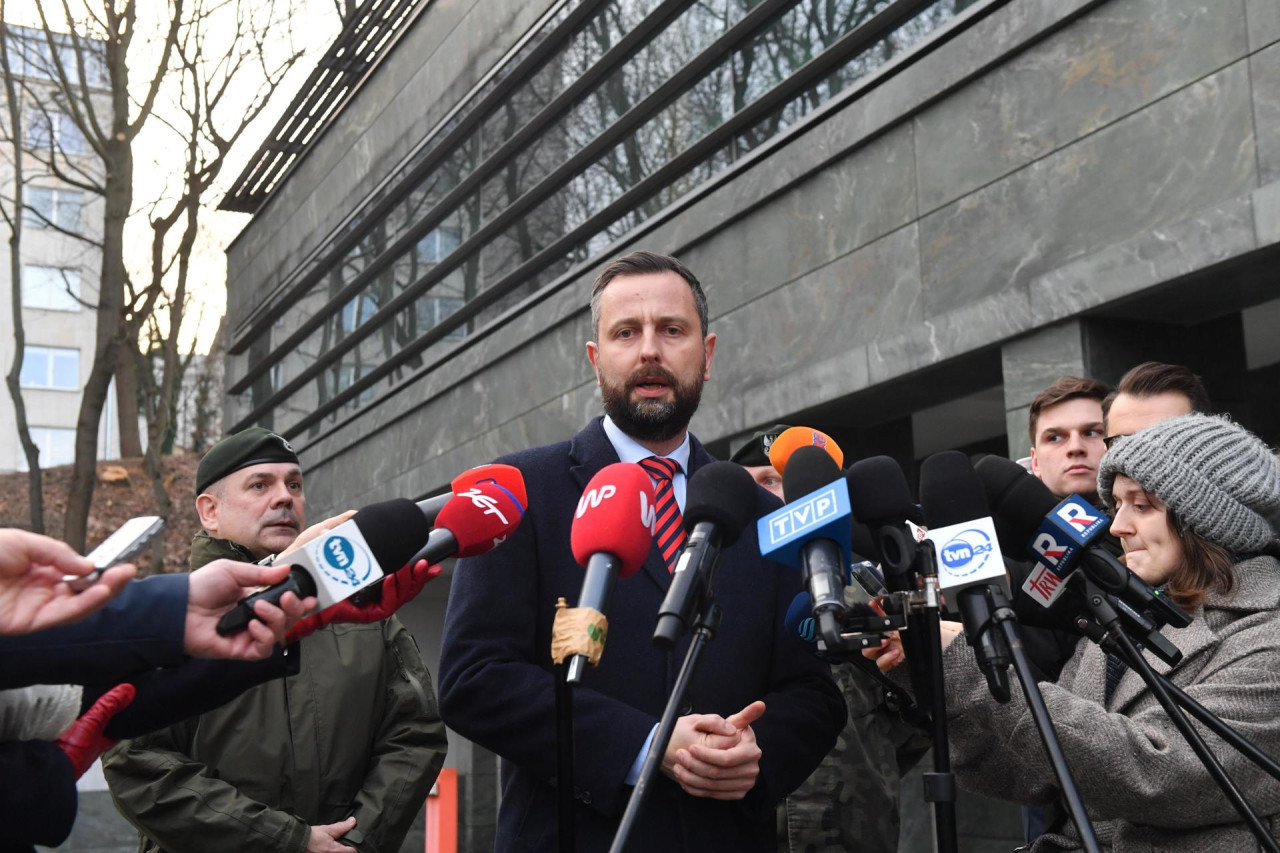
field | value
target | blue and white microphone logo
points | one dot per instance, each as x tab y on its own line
966	553
344	561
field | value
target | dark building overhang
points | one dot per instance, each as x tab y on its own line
370	34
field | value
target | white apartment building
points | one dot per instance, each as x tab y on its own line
59	270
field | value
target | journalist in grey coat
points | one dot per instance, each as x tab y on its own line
1143	787
1190	497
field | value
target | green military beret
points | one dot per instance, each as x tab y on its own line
252	446
755	452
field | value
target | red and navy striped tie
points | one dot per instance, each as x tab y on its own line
668	530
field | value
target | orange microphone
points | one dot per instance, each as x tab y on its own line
796	437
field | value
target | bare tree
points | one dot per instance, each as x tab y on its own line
12	214
210	69
109	122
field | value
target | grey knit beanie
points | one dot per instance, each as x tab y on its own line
1221	480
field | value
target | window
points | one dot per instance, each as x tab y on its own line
51	128
51	288
31	56
671	111
351	318
437	244
46	205
433	310
346	377
50	367
57	447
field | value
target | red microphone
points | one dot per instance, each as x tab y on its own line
611	537
476	520
506	476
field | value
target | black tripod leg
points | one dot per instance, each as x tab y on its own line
1003	615
564	759
1138	663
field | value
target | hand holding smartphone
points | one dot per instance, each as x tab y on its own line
120	547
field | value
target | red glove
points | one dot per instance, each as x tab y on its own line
398	589
83	740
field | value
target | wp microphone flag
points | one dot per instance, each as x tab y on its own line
611	536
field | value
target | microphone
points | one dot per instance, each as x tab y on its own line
960	525
799	624
611	536
477	520
1064	538
720	502
792	439
351	556
505	476
813	532
880	498
968	558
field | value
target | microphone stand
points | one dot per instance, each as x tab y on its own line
1000	614
1207	718
704	630
904	561
1101	607
564	759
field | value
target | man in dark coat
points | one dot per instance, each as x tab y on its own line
336	758
761	712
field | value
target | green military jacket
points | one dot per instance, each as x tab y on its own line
355	732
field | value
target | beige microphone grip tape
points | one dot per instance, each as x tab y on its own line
578	631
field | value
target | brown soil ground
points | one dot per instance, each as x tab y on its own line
113	504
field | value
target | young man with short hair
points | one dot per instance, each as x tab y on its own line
1150	393
1066	429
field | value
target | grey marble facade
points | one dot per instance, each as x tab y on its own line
1076	82
1264	22
1264	69
1184	153
435	63
1114	153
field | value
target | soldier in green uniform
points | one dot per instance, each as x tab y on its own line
337	758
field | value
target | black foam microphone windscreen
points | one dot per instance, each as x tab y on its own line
1015	495
808	469
722	493
950	491
394	529
878	491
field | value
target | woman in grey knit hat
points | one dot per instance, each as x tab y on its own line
1190	497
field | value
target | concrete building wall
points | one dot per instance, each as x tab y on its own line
1097	151
434	65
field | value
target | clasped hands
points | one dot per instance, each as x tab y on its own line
713	756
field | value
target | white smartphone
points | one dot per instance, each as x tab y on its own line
120	547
